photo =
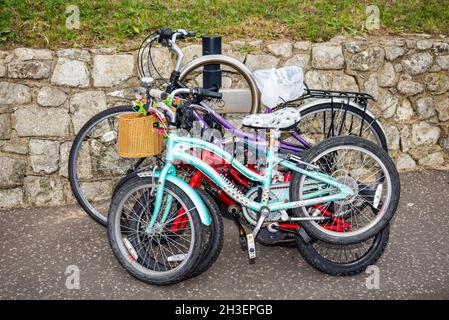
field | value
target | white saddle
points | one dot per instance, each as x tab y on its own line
282	119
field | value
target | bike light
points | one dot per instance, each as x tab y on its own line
177	257
377	196
130	248
109	136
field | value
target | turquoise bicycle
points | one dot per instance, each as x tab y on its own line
155	225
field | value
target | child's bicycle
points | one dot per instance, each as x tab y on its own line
349	174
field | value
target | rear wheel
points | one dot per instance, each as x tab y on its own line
368	171
343	260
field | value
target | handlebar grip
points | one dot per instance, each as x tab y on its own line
213	94
208	93
158	94
191	34
165	32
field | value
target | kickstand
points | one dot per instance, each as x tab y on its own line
304	236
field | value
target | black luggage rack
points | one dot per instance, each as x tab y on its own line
344	99
357	97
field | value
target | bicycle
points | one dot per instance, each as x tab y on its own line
103	172
321	188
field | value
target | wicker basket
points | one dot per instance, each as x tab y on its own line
137	137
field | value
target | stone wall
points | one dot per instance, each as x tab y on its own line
46	96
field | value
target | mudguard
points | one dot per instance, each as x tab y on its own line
193	195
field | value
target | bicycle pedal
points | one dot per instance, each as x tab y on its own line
251	247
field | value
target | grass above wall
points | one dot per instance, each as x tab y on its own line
123	22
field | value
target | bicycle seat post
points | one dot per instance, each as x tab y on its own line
274	135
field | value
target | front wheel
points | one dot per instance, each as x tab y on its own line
363	167
172	250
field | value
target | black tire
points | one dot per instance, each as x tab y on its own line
119	250
73	157
378	132
311	227
348	268
214	238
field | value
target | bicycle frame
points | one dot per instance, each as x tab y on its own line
178	148
284	145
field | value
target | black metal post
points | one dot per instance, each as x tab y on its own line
211	72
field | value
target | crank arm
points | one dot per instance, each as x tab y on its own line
242	233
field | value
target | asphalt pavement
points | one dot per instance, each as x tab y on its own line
42	247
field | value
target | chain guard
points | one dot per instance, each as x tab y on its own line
278	192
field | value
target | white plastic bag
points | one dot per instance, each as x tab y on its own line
278	85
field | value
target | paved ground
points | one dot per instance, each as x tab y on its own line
37	245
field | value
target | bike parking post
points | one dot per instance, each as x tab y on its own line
211	72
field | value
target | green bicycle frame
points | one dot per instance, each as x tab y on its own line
178	148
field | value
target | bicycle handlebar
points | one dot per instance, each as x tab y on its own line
166	34
158	94
206	93
196	92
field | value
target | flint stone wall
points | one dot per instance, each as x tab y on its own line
46	96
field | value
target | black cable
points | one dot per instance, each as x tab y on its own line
140	53
141	59
152	63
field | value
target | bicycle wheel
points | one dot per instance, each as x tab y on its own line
324	120
368	171
343	260
94	167
172	250
213	234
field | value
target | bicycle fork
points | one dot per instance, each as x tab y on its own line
167	169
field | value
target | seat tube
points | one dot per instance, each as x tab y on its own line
268	172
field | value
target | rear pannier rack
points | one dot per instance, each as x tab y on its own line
358	97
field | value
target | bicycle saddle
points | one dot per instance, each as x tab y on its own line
282	119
